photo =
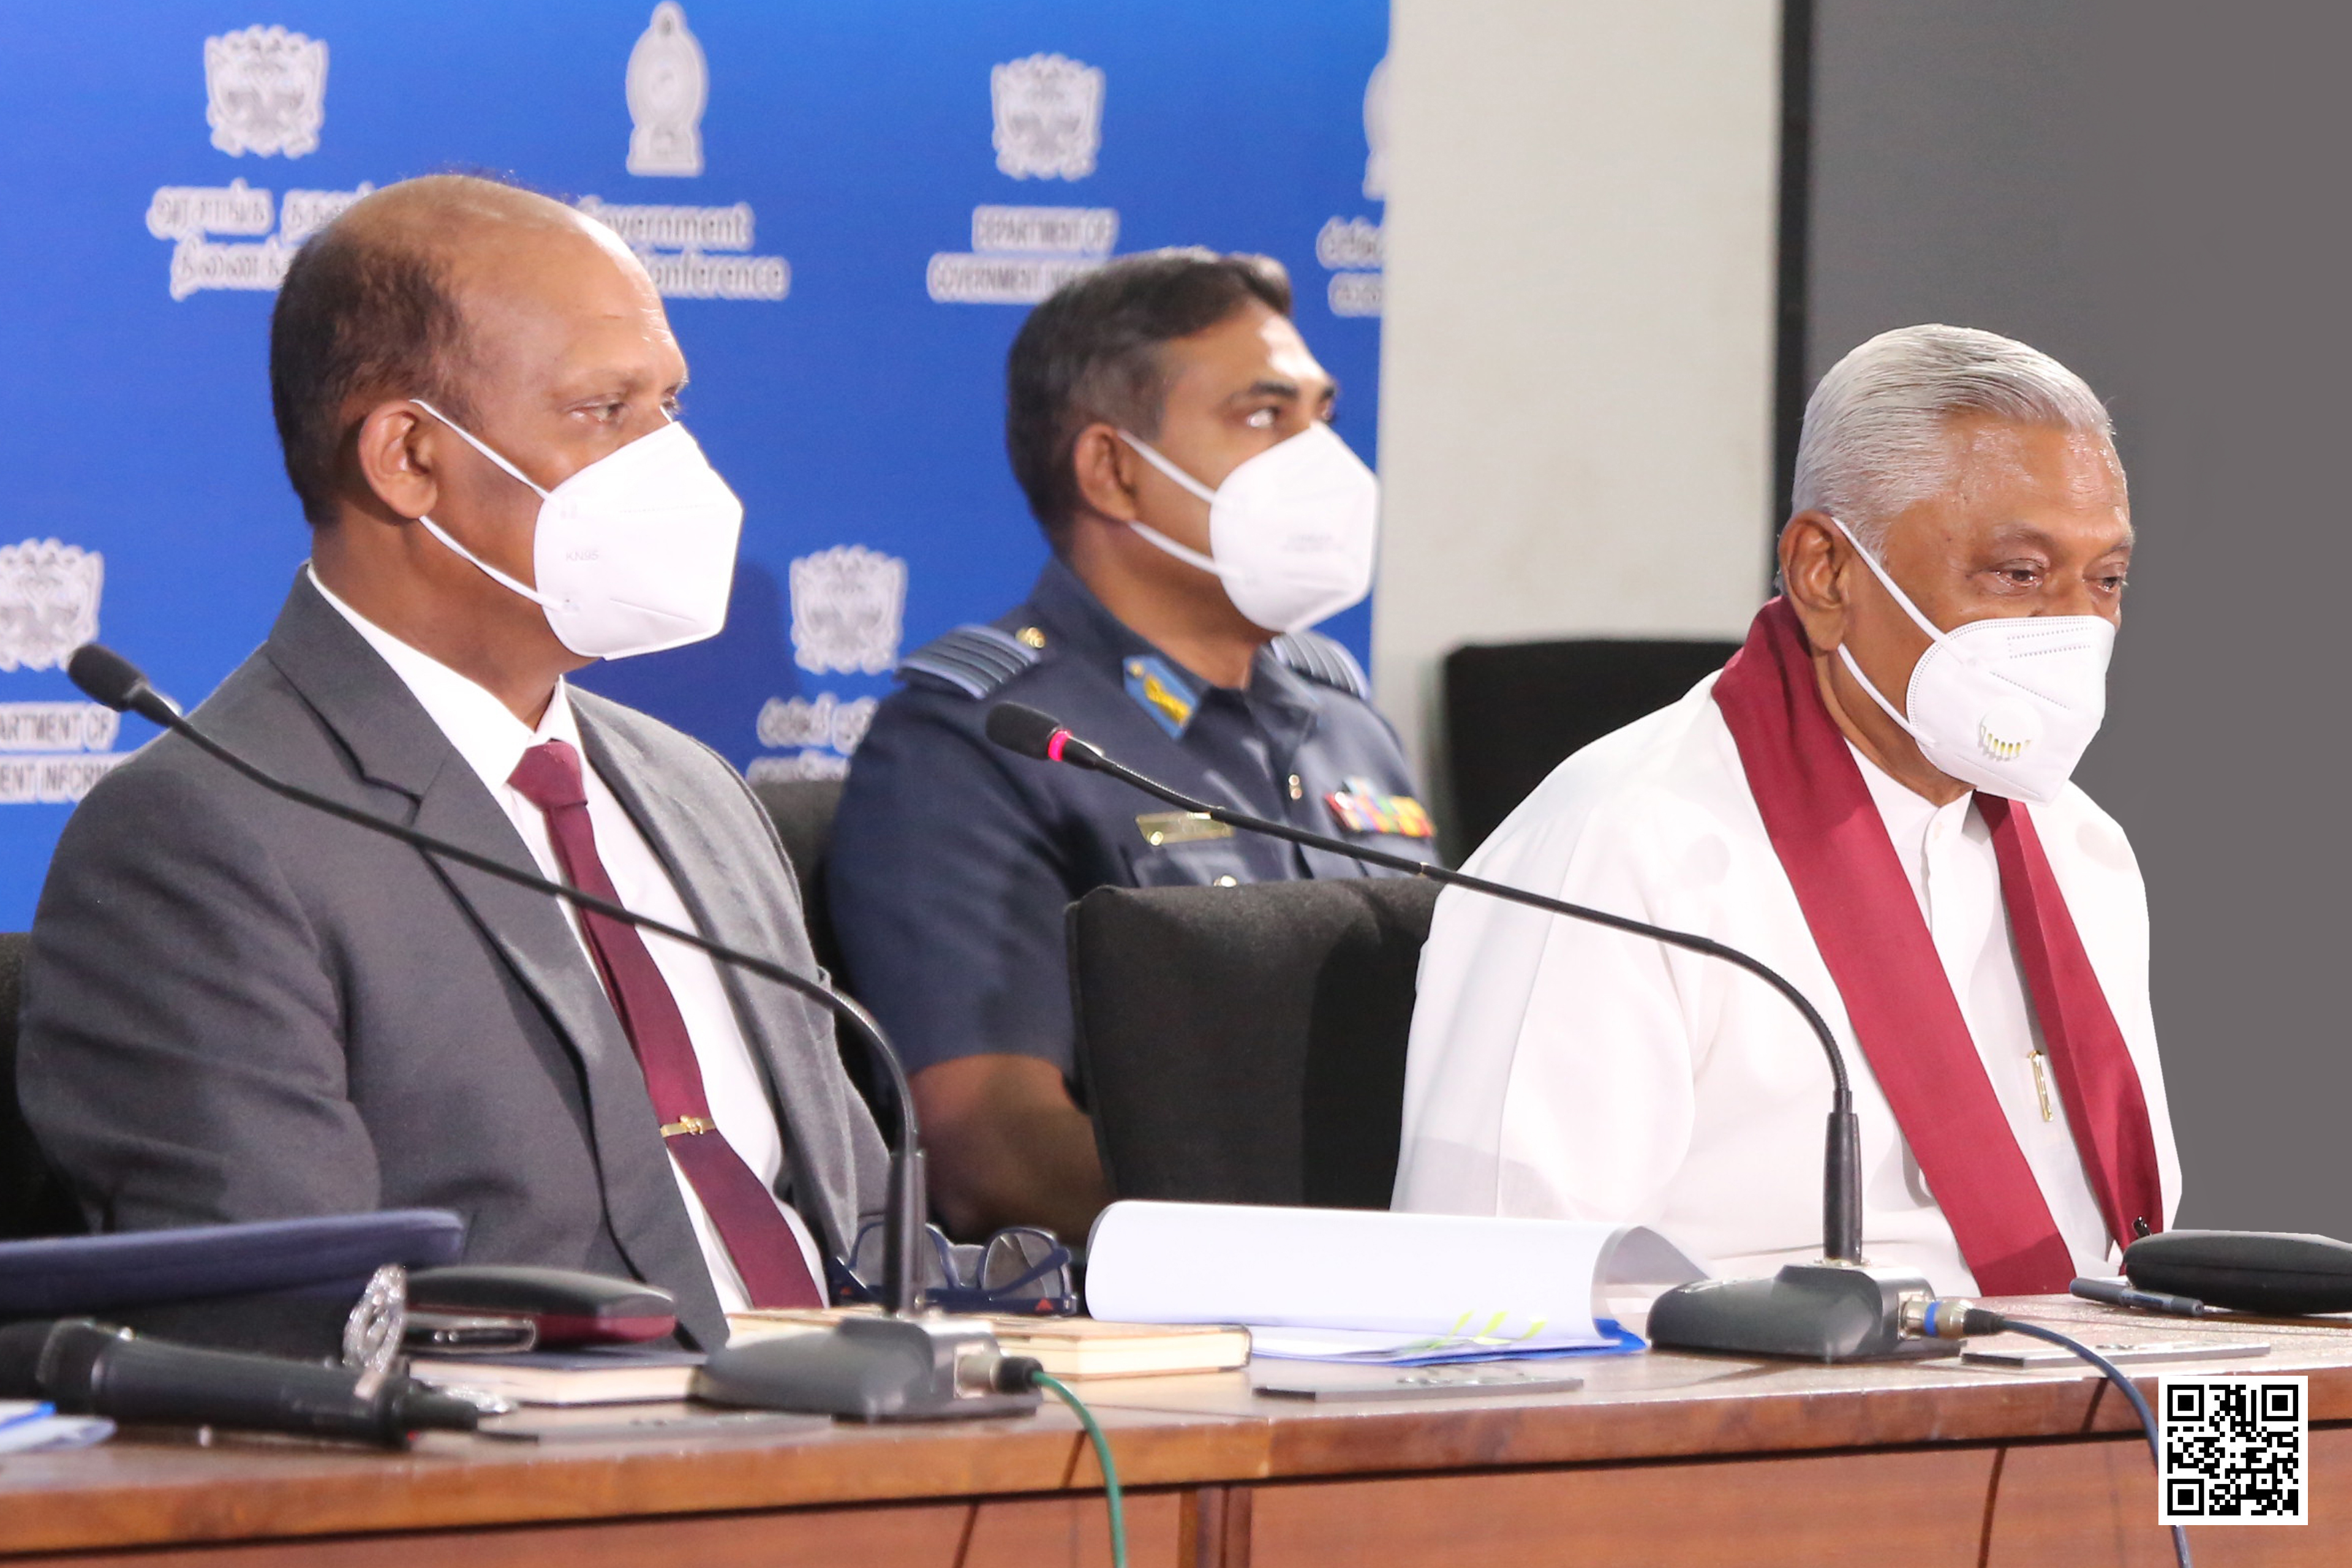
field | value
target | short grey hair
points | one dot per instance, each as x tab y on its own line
1874	436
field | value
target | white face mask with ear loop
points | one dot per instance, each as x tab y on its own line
1292	531
2006	704
633	554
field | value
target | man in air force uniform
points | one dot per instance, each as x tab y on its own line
1171	430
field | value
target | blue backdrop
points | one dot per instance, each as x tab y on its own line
847	204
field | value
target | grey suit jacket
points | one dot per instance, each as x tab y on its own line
236	1008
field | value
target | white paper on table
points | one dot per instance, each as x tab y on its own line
1367	1282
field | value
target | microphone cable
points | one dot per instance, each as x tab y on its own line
1018	1370
1950	1318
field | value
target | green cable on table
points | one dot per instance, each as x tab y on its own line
1061	1391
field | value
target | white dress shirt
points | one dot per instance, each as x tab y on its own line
486	732
1559	1068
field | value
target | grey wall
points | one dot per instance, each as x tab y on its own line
1576	359
2156	191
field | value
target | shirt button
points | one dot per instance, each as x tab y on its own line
1298	790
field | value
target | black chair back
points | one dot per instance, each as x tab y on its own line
802	811
1247	1045
1514	712
34	1200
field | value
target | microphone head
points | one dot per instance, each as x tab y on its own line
1017	727
2246	1270
106	676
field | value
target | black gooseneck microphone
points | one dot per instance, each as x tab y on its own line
1838	1310
86	1368
107	677
861	1368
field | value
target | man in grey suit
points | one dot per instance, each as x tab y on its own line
238	1009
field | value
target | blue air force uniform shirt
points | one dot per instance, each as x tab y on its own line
953	860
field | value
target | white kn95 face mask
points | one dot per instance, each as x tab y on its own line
2008	704
1291	530
633	554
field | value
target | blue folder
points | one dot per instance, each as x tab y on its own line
69	1274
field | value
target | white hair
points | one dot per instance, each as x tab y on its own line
1874	441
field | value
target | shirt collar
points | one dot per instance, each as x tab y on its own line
482	729
1904	809
1084	626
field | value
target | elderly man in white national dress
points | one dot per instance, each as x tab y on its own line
1872	797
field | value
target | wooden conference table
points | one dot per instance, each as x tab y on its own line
1662	1459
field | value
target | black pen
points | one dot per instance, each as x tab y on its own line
2115	1293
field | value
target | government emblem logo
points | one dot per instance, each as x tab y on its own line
266	91
49	602
668	87
848	604
1048	117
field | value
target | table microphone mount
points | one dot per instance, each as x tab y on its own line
907	1364
1838	1310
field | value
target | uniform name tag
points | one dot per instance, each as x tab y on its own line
1178	827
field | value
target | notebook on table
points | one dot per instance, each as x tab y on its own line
1065	1347
616	1375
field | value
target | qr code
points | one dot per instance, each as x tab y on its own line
2233	1450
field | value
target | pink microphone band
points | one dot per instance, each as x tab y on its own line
1054	746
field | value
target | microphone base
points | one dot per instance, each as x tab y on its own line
1827	1312
869	1369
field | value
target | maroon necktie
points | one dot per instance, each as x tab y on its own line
757	1237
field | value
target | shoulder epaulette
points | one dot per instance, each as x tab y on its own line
1321	659
974	661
